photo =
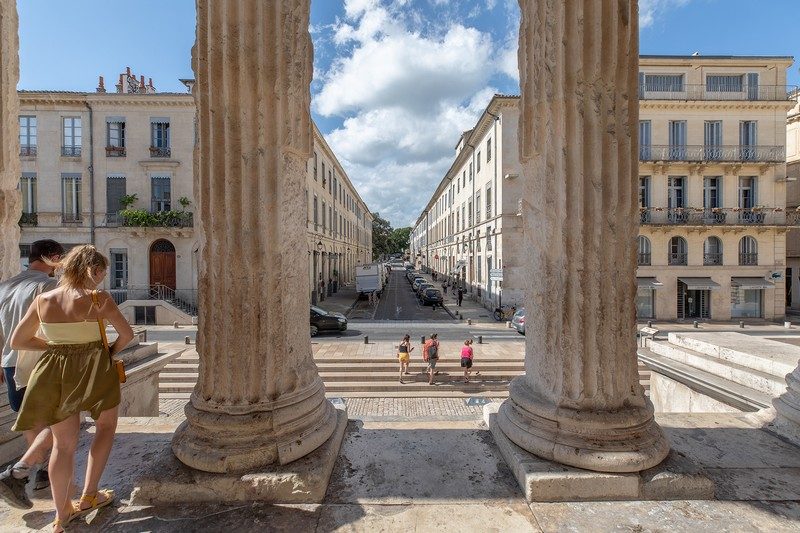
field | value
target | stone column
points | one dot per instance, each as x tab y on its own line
259	399
784	415
10	204
580	402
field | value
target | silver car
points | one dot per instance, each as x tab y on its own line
518	321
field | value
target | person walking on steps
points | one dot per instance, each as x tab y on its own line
404	355
460	295
466	359
75	373
16	295
430	355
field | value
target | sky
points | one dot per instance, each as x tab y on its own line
395	81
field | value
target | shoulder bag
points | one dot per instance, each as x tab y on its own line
115	363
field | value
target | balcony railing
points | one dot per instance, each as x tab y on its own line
748	259
676	258
712	259
183	299
71	218
71	151
729	216
722	154
115	151
27	151
143	219
29	219
768	93
644	259
160	151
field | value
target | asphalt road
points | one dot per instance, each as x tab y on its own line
400	303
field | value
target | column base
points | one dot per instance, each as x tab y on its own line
542	480
278	433
622	441
168	481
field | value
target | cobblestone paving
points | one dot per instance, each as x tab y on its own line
383	408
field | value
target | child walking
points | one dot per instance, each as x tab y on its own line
466	359
404	355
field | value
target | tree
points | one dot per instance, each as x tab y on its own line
399	240
381	231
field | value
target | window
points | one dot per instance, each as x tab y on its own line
115	190
144	315
746	303
645	302
470	171
469	211
488	150
464	179
478	241
324	224
323	174
331	219
115	137
747	191
159	138
677	140
119	268
645	140
748	251
663	82
160	193
27	186
748	139
71	146
644	251
678	251
478	207
488	202
463	216
712	140
316	213
315	165
478	161
712	252
71	197
489	239
712	192
27	135
644	191
676	199
724	83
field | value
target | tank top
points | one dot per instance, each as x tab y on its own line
403	348
81	332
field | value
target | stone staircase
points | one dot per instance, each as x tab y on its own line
377	377
741	371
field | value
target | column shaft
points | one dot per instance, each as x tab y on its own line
10	204
259	399
580	401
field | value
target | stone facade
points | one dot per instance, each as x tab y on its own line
9	142
793	203
470	225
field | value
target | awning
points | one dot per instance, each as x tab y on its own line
648	283
752	283
700	284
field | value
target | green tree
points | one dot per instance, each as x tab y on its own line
381	232
399	240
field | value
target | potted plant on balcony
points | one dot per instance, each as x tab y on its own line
185	202
128	200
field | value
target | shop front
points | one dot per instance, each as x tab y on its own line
694	297
646	297
747	296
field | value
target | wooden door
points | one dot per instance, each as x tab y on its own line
162	264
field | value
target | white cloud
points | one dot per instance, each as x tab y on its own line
649	10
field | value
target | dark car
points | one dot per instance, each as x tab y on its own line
422	287
322	320
518	321
431	296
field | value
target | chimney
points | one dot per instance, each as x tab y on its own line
127	71
101	86
120	85
141	83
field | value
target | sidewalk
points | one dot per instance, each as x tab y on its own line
341	301
469	310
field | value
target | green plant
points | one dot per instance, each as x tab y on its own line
335	273
143	218
128	200
185	202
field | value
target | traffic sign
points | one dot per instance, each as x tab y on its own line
495	274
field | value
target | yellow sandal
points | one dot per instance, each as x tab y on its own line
58	523
91	499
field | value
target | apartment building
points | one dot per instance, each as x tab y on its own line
115	168
793	204
712	181
469	230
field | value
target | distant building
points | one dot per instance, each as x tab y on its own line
793	204
87	156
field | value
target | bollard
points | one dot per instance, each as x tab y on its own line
187	340
649	323
422	340
469	321
741	324
508	324
696	324
175	325
480	339
787	325
366	339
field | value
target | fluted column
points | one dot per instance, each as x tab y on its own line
10	205
580	402
259	399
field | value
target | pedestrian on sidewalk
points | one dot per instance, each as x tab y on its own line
430	355
75	373
460	295
466	359
404	355
16	295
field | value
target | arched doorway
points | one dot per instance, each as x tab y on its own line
162	264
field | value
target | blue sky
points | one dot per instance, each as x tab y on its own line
396	81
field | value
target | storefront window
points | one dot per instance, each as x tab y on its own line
746	303
645	303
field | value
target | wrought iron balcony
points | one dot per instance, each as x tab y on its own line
27	151
744	93
71	218
678	258
712	154
160	151
140	218
115	151
712	259
729	216
748	259
71	151
29	219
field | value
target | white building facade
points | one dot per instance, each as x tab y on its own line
793	204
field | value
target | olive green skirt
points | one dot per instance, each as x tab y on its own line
68	379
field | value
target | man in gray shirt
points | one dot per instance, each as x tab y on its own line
16	295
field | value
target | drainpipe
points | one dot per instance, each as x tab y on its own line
91	174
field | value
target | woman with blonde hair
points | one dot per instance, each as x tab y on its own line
75	373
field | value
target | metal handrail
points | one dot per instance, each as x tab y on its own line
712	259
684	91
27	151
71	151
678	258
748	259
707	153
184	299
727	216
160	151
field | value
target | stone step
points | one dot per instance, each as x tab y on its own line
729	346
346	377
728	370
450	393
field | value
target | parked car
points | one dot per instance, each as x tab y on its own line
411	276
431	296
417	282
518	321
322	320
422	287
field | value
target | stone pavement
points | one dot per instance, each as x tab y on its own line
341	301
